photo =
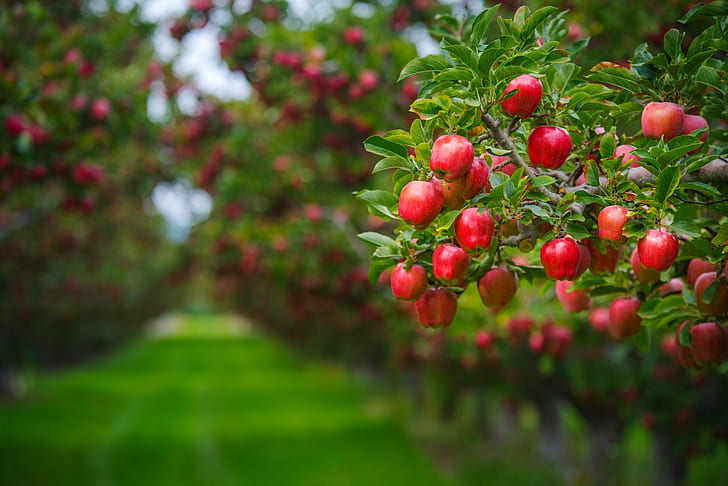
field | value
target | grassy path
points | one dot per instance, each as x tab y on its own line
202	406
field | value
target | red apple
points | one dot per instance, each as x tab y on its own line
420	202
709	343
474	230
643	274
611	222
605	262
672	286
524	102
658	250
496	160
599	319
436	307
467	186
354	35
14	125
483	339
452	156
572	300
560	258
408	283
557	342
497	287
100	109
697	267
625	151
450	264
719	303
692	123
662	120
584	261
684	354
549	146
518	327
624	320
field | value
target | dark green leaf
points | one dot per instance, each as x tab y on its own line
426	108
667	182
672	43
417	132
481	22
535	20
424	65
489	56
686	228
381	146
541	181
537	210
392	162
378	266
685	337
464	55
706	11
446	220
607	145
384	198
454	75
620	77
376	239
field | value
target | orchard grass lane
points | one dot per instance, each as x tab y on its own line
199	408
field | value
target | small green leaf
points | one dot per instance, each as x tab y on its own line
426	108
417	132
384	198
607	145
537	211
685	337
378	266
446	220
481	22
541	181
672	44
687	228
620	77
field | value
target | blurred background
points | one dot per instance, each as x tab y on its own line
183	299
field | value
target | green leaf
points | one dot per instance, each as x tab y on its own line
426	109
605	290
722	236
607	145
392	162
488	58
454	75
418	132
378	266
709	293
673	44
541	181
423	151
536	19
667	182
376	239
620	77
578	231
446	220
381	146
481	23
464	55
695	61
425	64
537	211
705	11
685	336
702	188
686	228
384	198
400	137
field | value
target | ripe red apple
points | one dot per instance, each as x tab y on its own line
549	146
436	307
354	35
625	151
14	125
408	283
557	340
497	287
692	123
658	250
560	258
624	320
674	285
100	109
599	319
611	222
467	186
420	202
483	338
496	160
684	354
524	102
662	120
584	261
450	264
697	267
719	304
643	274
572	300
602	262
709	343
474	230
452	156
518	327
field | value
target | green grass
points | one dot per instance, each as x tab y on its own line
204	407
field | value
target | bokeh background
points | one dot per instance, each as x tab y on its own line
183	299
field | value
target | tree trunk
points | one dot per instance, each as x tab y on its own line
670	465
